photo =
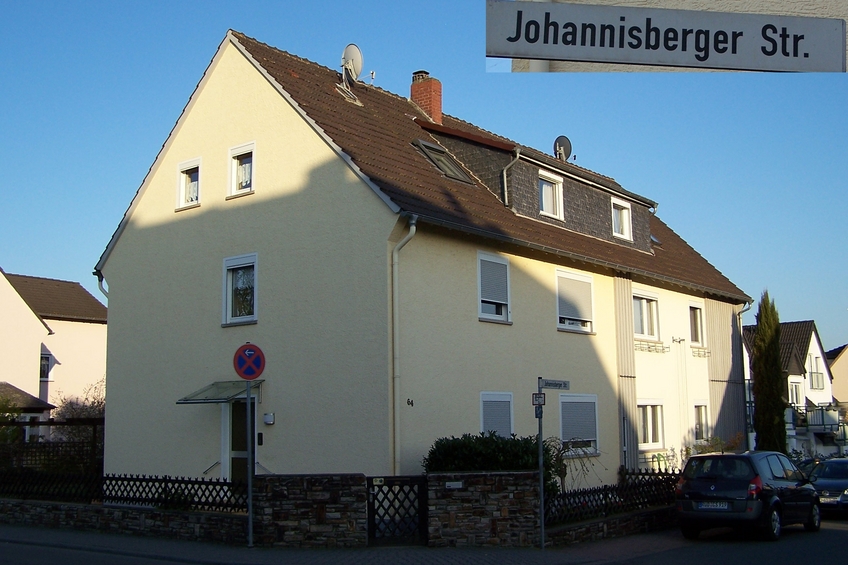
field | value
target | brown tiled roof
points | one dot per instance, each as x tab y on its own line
378	132
53	299
794	342
22	400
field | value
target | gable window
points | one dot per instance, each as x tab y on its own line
645	317
700	422
239	303
574	302
493	288
816	374
188	191
443	161
579	421
44	373
621	223
496	413
650	425
241	170
696	325
550	195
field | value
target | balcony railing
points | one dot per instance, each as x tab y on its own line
819	419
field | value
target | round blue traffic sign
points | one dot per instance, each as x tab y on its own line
249	361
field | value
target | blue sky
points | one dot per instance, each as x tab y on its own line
749	168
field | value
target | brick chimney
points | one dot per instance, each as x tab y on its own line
426	92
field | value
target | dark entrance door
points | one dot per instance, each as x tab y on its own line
397	510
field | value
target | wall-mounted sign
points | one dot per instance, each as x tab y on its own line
655	36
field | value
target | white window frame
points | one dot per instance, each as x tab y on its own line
594	447
488	396
486	298
652	411
183	170
702	419
621	211
49	360
231	263
557	197
816	374
796	394
649	304
576	320
699	340
235	153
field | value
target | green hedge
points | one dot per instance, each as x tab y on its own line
488	452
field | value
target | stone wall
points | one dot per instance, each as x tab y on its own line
311	511
483	509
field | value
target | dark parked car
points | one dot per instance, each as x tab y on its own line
762	490
830	478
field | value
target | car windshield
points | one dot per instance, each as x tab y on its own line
831	470
719	467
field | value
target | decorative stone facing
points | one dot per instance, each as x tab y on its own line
489	509
311	511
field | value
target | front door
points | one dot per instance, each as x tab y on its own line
238	439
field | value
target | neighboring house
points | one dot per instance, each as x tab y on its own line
812	418
408	276
54	338
31	409
837	360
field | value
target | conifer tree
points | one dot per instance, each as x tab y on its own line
769	382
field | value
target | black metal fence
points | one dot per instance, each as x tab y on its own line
163	493
636	490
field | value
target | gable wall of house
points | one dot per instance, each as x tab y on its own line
320	236
839	371
450	357
21	335
78	352
816	361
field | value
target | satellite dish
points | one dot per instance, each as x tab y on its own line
351	63
562	148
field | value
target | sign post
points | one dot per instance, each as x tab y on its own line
249	362
539	402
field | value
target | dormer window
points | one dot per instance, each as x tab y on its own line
621	224
550	195
443	161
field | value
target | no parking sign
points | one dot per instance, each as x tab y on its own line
249	361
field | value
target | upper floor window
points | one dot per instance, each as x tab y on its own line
496	413
241	169
700	422
645	317
493	287
574	302
550	195
579	421
621	223
188	184
816	374
44	373
239	303
696	325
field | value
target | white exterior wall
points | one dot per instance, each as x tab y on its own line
820	397
673	372
78	350
321	286
449	356
805	8
21	335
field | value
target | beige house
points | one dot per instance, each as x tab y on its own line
837	360
53	340
408	276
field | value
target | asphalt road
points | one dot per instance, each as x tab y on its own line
42	546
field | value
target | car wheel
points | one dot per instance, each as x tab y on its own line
813	523
690	531
772	525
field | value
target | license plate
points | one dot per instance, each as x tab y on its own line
828	500
712	505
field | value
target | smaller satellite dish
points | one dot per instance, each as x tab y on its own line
351	62
562	148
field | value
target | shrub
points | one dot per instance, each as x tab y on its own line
488	452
